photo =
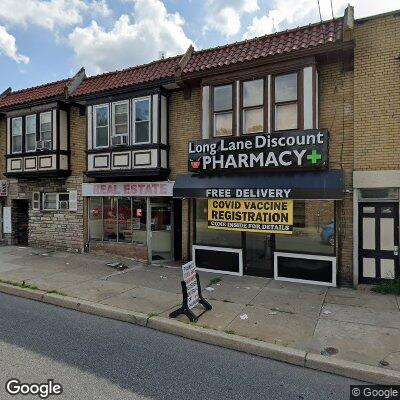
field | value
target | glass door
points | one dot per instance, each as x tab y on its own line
259	254
161	232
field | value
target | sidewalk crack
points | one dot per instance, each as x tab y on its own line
319	315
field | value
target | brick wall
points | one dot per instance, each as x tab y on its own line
336	112
59	229
377	94
184	125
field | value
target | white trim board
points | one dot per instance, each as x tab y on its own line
307	257
224	249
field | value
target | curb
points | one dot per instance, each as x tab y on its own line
363	372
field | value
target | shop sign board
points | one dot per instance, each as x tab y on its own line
3	188
136	189
307	149
267	216
189	276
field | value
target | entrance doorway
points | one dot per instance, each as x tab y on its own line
378	241
21	221
161	241
259	254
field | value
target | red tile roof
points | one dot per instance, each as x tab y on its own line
308	37
46	91
312	36
154	71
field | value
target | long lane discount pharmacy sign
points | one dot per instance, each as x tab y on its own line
306	149
268	216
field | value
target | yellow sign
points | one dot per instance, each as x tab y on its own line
268	216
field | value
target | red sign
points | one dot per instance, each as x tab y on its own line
139	212
138	189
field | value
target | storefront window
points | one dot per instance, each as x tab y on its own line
139	232
313	231
110	218
124	219
213	237
121	219
96	218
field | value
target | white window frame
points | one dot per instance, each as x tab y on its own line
95	126
230	111
51	126
133	119
57	201
26	132
297	102
12	136
113	105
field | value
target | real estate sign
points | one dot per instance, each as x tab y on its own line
267	216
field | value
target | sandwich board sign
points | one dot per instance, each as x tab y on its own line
191	293
189	276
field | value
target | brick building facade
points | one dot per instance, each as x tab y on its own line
121	181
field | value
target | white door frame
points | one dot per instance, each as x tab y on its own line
149	232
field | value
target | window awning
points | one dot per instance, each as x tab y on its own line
321	185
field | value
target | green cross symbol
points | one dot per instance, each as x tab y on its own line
314	157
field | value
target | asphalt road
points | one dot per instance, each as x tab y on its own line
98	358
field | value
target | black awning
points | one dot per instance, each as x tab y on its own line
324	185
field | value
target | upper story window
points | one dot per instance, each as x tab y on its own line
122	123
223	110
286	102
16	135
141	118
45	126
120	118
30	133
253	106
101	122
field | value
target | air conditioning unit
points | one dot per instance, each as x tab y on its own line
119	140
43	145
64	205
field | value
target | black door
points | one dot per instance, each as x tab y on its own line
21	221
378	227
259	254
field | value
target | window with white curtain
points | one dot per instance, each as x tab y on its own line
101	125
30	133
141	120
16	135
45	126
120	118
286	102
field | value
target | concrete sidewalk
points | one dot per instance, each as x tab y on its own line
354	325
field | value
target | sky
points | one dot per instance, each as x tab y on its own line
46	40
